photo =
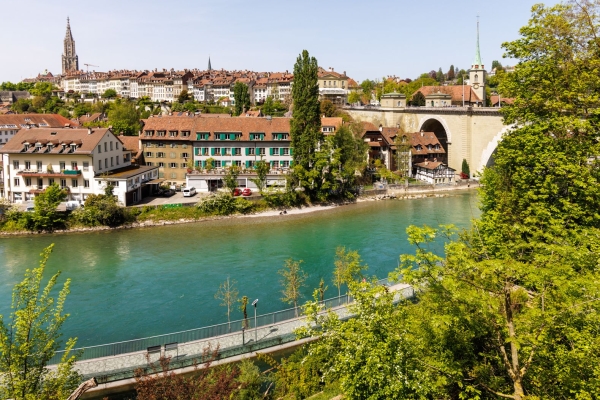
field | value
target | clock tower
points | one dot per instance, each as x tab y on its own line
477	73
70	61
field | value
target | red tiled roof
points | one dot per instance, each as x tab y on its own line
455	91
51	120
86	140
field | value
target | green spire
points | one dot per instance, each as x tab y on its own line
477	53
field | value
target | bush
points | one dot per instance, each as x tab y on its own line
289	198
225	204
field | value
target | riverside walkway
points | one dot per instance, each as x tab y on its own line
118	361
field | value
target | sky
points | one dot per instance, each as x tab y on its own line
367	39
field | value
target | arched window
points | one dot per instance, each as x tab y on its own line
476	78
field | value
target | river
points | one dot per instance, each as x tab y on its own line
134	283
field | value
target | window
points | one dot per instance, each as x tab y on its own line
183	165
74	165
160	133
286	151
117	158
261	151
216	151
99	149
236	151
63	183
173	133
27	165
106	163
285	164
250	151
161	144
105	146
86	165
218	164
202	135
15	165
257	136
62	165
226	151
74	183
172	165
27	181
117	145
275	164
17	182
161	164
150	164
184	155
111	146
185	134
173	145
111	162
172	155
160	154
173	175
38	164
148	154
149	133
274	151
237	163
86	183
50	181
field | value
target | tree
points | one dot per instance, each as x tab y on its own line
45	216
305	126
109	94
230	178
42	89
465	168
241	95
244	308
403	154
292	280
183	96
496	65
439	76
124	117
31	337
451	75
354	97
228	294
348	267
267	108
262	168
327	108
418	99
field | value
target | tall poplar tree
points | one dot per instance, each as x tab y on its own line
241	97
305	126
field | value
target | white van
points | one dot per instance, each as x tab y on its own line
189	192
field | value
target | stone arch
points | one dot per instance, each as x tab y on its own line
487	155
438	126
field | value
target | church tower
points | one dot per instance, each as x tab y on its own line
477	73
70	61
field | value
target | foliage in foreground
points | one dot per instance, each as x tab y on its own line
225	204
30	338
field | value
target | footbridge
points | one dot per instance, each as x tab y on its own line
114	365
470	133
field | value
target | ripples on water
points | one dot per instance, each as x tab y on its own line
134	283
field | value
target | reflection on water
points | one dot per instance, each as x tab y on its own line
141	282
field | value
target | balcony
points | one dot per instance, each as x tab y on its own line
49	174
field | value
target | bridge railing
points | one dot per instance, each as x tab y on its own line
143	344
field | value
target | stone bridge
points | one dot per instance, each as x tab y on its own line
470	133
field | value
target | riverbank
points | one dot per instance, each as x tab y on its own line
378	195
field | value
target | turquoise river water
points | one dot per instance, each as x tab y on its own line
134	283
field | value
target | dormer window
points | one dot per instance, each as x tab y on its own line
26	146
73	147
172	133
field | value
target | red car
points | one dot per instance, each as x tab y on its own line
246	192
237	192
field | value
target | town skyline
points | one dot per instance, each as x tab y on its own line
236	44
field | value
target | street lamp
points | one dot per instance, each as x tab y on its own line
254	303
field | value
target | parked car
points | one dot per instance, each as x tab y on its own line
247	192
168	193
237	192
189	192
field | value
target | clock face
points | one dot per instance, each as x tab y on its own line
476	86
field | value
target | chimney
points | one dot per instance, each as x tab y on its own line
380	128
421	133
90	131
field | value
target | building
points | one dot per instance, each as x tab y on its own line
333	86
450	96
393	100
81	161
434	172
70	61
10	124
477	73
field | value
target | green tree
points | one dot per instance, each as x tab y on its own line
465	168
42	89
45	216
109	94
124	117
81	109
348	267
439	76
22	106
30	338
230	178
354	97
183	96
261	168
418	100
305	126
228	294
292	280
244	309
241	95
268	107
327	108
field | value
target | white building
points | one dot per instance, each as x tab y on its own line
79	160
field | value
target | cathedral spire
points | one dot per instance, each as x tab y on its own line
70	61
477	63
209	66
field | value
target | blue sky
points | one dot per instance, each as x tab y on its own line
367	39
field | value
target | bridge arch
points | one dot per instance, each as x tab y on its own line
439	126
488	153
